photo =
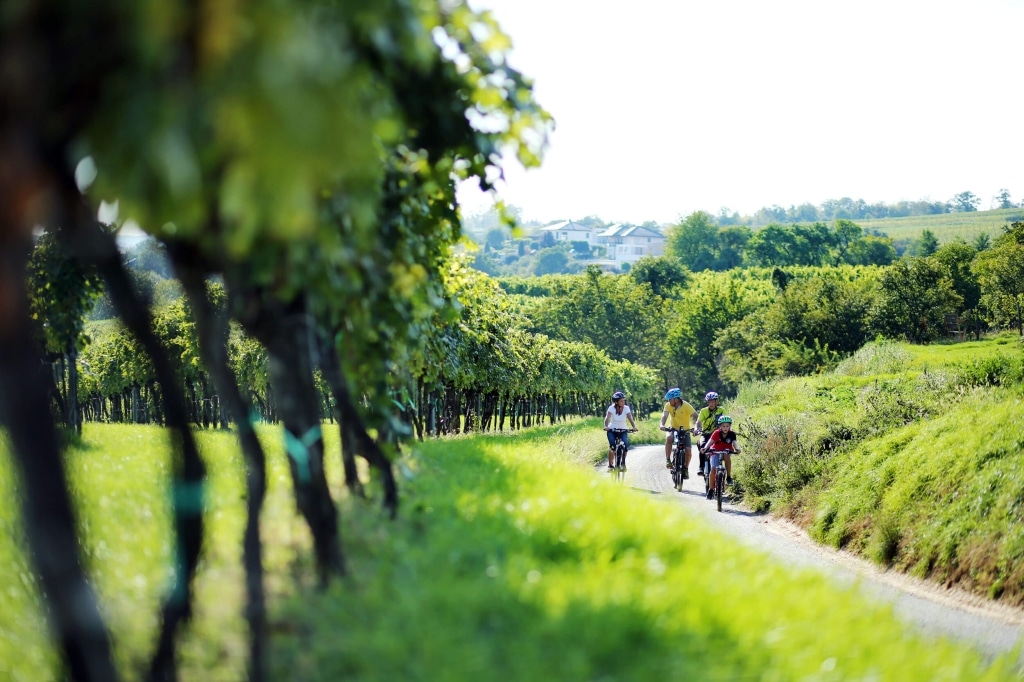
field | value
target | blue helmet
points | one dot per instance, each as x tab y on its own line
725	419
709	396
674	393
618	395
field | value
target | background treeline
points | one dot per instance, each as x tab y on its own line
858	209
714	330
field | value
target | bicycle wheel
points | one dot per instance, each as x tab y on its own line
719	488
680	467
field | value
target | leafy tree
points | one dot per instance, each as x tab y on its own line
804	213
813	321
484	262
957	257
982	242
732	243
727	217
926	245
61	291
612	312
845	235
693	241
914	297
871	250
551	261
769	215
965	202
496	237
581	249
771	246
663	274
1000	270
1002	199
695	323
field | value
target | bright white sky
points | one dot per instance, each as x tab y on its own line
664	107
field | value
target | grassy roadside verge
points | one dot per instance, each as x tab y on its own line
909	455
509	561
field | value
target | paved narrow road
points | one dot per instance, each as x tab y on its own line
991	628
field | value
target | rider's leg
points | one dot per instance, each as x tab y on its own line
611	449
712	474
687	446
668	449
700	453
728	468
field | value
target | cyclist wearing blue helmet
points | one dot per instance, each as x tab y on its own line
618	417
677	414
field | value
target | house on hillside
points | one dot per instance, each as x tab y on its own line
571	231
630	243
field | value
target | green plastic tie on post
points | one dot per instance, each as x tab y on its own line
298	450
189	498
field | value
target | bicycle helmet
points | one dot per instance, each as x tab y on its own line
674	393
618	395
709	396
725	419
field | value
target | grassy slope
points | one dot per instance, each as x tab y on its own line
509	561
946	226
929	472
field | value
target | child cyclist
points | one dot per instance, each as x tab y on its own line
678	414
722	443
618	417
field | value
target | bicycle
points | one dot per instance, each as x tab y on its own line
720	477
681	442
620	448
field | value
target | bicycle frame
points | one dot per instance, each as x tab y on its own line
679	449
720	477
620	447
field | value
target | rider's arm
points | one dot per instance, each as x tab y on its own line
631	422
664	416
607	417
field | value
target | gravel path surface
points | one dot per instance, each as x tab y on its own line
992	628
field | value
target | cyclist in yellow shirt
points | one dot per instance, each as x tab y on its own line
678	414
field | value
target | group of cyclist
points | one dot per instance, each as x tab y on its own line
717	439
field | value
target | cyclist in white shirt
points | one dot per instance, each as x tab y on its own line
618	417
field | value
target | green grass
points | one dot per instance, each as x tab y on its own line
909	455
946	226
509	560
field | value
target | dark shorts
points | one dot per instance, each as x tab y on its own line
624	435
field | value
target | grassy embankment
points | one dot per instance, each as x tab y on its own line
510	560
910	455
946	226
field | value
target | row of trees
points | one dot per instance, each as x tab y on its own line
482	370
858	209
302	155
699	243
